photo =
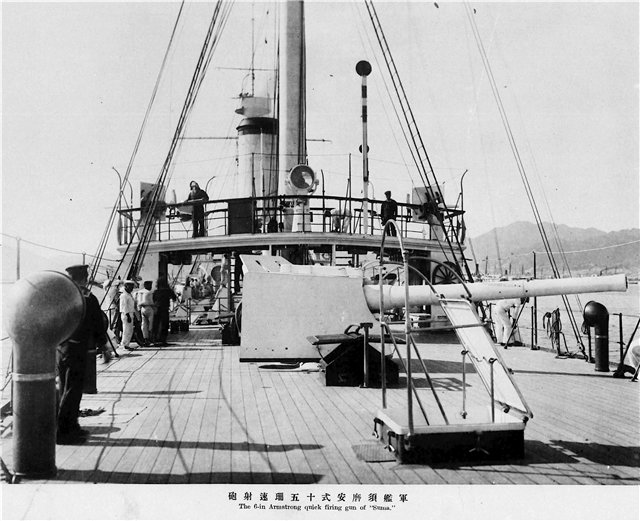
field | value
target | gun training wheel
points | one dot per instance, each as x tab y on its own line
446	273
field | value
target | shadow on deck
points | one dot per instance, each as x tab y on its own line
100	476
152	393
208	445
559	452
603	454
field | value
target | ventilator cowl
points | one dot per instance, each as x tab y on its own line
40	311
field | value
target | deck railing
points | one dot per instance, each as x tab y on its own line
623	330
267	215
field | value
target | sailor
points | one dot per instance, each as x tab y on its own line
162	298
504	323
110	303
197	197
632	360
340	220
71	360
389	212
144	301
187	293
127	314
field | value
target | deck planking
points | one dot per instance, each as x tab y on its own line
275	452
221	462
324	430
203	417
201	466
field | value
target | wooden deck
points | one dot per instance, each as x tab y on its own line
191	413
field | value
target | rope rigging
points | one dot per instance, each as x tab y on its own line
519	164
51	247
114	212
416	146
218	20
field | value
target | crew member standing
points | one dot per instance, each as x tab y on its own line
144	299
71	360
388	212
162	298
504	324
197	197
127	314
187	293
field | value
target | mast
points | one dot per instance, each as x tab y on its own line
363	68
292	118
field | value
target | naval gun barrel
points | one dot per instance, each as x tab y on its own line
394	296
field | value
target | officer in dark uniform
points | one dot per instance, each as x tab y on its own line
71	360
162	298
388	212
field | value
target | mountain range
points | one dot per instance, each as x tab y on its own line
587	251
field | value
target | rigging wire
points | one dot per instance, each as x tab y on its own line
554	229
417	147
218	21
399	89
51	247
526	254
404	162
105	237
519	163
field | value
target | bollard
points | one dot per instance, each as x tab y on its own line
41	311
596	316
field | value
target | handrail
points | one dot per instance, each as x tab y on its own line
409	381
409	330
335	214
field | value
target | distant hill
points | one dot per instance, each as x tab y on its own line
588	251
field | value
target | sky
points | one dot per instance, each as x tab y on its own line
77	78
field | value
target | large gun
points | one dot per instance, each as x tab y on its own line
284	303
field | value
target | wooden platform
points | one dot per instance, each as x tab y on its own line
191	413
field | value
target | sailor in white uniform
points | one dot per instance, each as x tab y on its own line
127	313
632	359
503	322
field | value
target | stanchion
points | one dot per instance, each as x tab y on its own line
534	332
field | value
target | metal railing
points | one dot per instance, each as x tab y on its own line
267	214
623	329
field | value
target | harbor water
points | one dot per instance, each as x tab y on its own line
625	303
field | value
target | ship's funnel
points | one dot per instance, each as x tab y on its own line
257	157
